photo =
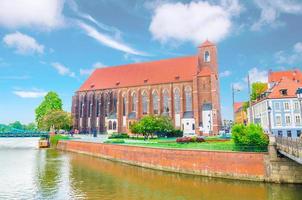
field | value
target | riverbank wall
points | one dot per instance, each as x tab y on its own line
232	165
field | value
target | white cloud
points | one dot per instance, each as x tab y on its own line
195	21
108	41
272	9
89	71
290	58
41	14
23	44
63	70
30	93
238	86
257	75
225	73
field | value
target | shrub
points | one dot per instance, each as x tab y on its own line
189	139
116	141
173	133
251	135
54	139
118	135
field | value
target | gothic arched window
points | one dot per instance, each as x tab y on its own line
114	103
134	100
107	104
145	103
176	101
207	57
114	125
166	101
188	95
155	102
110	125
124	105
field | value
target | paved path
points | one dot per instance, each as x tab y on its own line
89	138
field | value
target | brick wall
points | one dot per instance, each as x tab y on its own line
234	165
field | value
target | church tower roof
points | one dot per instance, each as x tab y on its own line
207	43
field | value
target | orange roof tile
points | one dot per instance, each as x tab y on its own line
285	83
291	74
146	73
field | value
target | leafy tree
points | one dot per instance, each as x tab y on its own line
58	119
31	126
257	89
251	135
16	125
50	103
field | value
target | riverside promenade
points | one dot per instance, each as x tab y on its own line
267	167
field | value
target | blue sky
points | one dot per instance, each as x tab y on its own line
55	44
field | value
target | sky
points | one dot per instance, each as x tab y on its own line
53	45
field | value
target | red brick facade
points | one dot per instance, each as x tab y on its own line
102	96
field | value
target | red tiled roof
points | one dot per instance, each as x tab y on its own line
291	74
285	84
206	43
237	106
155	72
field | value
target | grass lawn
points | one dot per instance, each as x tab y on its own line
170	143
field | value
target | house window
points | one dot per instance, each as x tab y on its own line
286	106
298	120
296	105
298	133
207	56
134	99
166	101
277	106
283	92
289	134
287	120
188	96
176	101
278	120
280	133
110	125
193	126
155	102
114	125
145	103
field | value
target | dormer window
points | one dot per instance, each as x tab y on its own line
207	57
283	92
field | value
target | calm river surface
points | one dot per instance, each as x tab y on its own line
29	173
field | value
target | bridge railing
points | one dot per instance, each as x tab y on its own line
291	146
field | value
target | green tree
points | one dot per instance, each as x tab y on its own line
58	119
31	126
16	125
257	89
251	135
51	102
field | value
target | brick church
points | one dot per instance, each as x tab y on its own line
186	89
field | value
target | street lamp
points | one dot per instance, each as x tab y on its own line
299	96
269	109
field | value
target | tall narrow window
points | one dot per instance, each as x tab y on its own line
90	108
114	103
166	101
110	125
145	103
155	102
124	105
134	100
207	56
97	108
176	101
114	125
82	109
107	104
188	94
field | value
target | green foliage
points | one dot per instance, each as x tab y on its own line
16	125
149	125
246	105
51	102
257	89
115	141
251	135
54	139
118	135
31	127
58	119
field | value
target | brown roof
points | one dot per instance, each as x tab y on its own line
285	84
290	74
155	72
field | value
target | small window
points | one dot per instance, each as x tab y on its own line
287	120
296	105
278	120
193	126
283	92
280	133
286	106
114	125
298	120
298	133
277	106
110	125
187	123
289	134
207	56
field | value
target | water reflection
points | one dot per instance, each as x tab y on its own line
29	173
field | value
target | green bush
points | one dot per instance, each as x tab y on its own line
118	135
115	141
54	139
251	135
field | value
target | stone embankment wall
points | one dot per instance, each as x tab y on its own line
233	165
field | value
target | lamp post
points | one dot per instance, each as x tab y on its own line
269	109
299	96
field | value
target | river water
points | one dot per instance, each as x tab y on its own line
27	172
